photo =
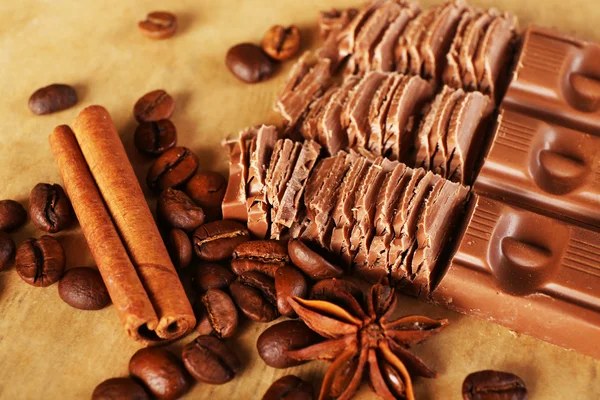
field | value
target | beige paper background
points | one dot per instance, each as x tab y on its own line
51	351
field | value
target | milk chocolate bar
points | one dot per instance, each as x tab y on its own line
234	202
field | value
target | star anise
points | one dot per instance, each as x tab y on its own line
365	342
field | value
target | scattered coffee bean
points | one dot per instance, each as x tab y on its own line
84	289
7	250
154	106
120	389
176	210
493	385
50	208
249	63
173	168
40	262
312	263
209	360
12	215
254	294
215	241
212	276
289	282
161	372
221	312
289	387
52	98
180	248
156	137
341	292
273	343
158	25
207	189
264	256
281	43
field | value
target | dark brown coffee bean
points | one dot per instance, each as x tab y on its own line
493	385
289	387
173	168
50	208
154	106
249	63
311	263
209	360
52	98
176	210
340	292
84	289
156	137
221	312
207	189
203	324
273	343
161	372
7	250
180	248
158	25
12	215
212	276
254	294
40	262
120	389
281	43
215	241
264	256
289	282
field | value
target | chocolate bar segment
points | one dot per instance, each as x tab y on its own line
234	201
383	55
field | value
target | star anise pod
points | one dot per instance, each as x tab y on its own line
365	342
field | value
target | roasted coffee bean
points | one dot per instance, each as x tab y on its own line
212	276
311	263
203	324
120	389
281	43
161	372
173	168
176	210
180	248
50	208
215	241
154	106
289	282
7	250
40	262
254	294
52	98
84	289
209	360
156	137
12	215
493	385
221	312
273	343
264	256
249	63
158	25
289	387
340	292
207	189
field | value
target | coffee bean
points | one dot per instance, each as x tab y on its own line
207	189
273	343
221	312
264	256
289	282
212	276
173	168
84	289
52	98
249	63
40	262
12	215
158	25
281	43
161	372
120	389
176	210
340	292
493	385
254	294
312	263
50	208
209	360
154	106
156	137
215	241
289	387
203	324
7	250
180	248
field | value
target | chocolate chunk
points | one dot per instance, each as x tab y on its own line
473	35
234	202
452	75
334	20
407	53
383	55
347	37
378	111
309	125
